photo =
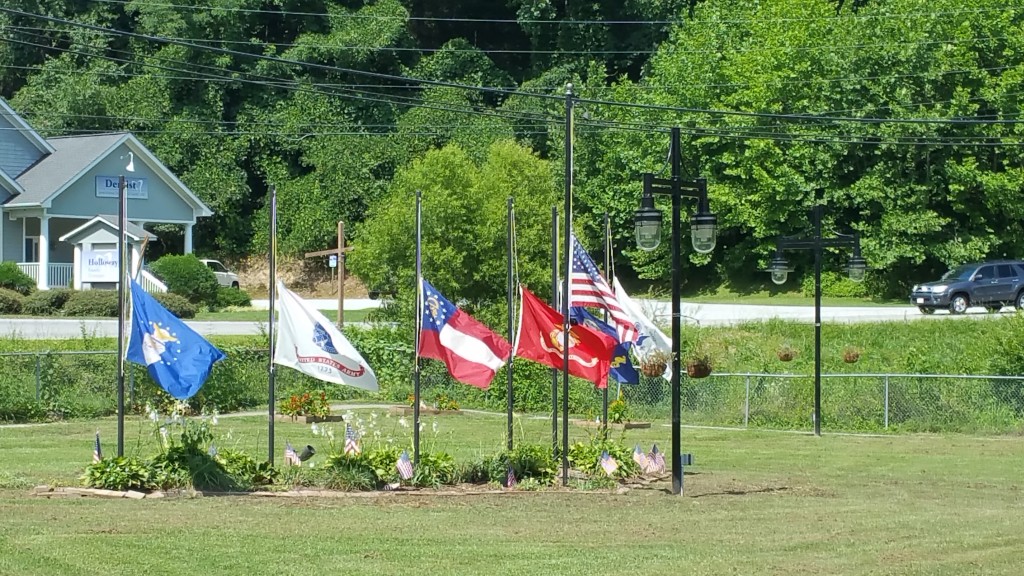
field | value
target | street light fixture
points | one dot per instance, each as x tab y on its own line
703	234
779	268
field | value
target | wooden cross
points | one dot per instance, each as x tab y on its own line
339	252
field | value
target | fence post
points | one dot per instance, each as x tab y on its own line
746	404
38	379
886	401
131	385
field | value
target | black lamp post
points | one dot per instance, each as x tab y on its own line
703	233
780	269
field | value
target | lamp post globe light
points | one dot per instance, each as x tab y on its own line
703	235
779	268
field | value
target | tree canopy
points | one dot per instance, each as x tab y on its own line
903	116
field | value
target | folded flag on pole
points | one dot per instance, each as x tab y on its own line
309	343
621	366
97	452
650	337
657	461
404	466
471	351
540	339
177	358
351	440
290	457
608	463
588	288
640	458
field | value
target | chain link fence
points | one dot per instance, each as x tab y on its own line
37	385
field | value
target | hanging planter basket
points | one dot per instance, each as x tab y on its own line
698	369
653	369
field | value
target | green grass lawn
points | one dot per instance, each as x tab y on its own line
756	503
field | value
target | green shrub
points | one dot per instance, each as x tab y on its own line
121	473
92	303
233	297
12	278
834	285
586	457
185	275
11	302
176	304
47	302
246	471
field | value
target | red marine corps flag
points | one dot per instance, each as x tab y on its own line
540	339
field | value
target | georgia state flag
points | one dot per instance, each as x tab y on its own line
471	351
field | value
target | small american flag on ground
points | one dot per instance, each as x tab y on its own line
404	466
608	463
510	478
351	441
640	458
290	457
97	452
657	461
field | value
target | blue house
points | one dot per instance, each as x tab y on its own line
50	188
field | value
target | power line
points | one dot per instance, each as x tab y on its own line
830	17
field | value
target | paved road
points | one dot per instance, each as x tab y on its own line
702	314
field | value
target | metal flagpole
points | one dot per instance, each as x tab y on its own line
608	276
511	316
565	284
555	305
122	276
416	337
270	322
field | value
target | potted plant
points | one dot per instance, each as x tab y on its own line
654	363
698	362
851	354
786	353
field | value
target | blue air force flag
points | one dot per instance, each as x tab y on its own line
309	343
178	359
621	367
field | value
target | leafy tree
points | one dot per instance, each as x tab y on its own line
464	224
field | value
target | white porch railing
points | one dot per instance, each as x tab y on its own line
150	283
59	275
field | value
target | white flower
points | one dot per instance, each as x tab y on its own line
214	420
373	415
421	426
330	434
403	422
434	426
376	434
315	428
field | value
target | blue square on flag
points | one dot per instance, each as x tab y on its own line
177	358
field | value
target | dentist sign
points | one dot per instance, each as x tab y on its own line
135	188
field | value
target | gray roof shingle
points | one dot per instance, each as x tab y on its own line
72	155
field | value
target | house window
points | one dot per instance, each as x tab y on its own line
32	249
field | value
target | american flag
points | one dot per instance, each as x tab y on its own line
608	463
290	457
657	461
588	288
351	441
97	453
404	466
510	478
640	458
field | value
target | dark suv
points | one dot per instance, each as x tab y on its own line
989	284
